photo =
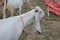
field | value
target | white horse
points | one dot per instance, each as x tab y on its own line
11	28
11	5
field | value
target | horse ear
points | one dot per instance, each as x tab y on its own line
36	10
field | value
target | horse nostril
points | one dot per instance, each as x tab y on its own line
39	32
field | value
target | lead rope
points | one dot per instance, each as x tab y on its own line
22	21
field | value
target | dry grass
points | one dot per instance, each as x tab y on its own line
50	25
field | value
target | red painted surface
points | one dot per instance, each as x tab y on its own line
53	7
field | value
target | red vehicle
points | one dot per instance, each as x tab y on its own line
53	6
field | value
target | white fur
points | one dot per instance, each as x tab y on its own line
11	28
11	5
